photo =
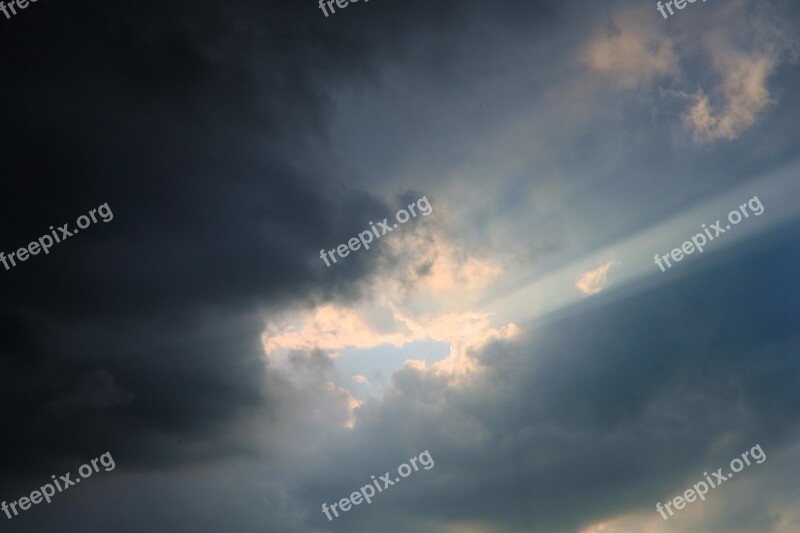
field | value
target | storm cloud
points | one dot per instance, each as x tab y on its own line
239	383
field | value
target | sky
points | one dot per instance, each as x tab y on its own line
517	329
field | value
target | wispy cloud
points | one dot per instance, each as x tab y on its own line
631	52
743	69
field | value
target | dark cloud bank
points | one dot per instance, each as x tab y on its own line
197	124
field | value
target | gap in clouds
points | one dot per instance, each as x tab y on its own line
379	363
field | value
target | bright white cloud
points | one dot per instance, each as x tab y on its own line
426	299
594	281
332	328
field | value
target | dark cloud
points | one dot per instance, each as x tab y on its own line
194	122
206	128
183	118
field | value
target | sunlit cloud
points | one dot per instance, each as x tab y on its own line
743	53
743	91
631	51
427	299
594	281
743	69
332	328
